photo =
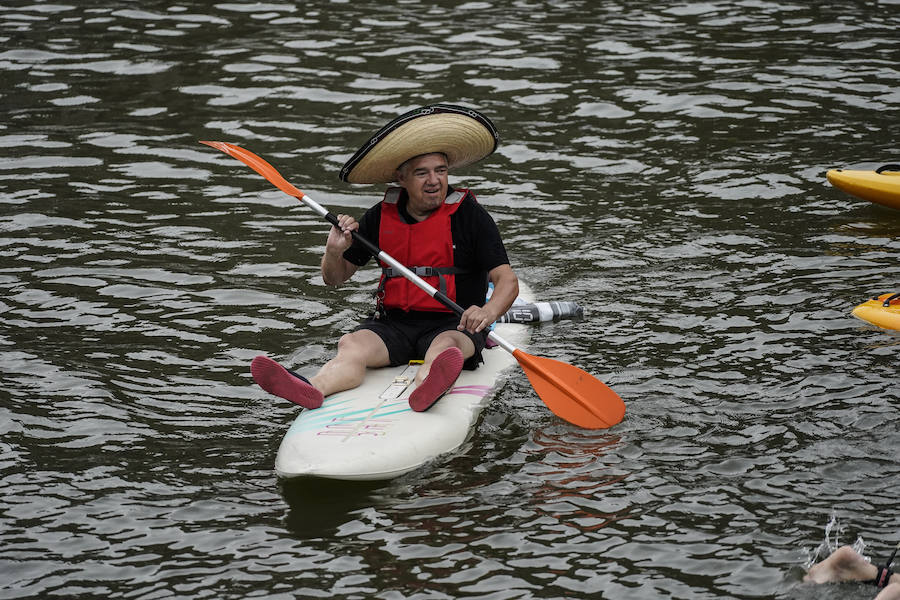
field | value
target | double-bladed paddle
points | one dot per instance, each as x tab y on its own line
572	394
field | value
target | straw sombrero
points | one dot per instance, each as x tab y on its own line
464	135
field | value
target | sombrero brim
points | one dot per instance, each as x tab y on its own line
464	135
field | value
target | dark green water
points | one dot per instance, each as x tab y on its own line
663	165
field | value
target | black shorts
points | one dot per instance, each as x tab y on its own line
408	335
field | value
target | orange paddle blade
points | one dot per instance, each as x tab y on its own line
259	165
572	394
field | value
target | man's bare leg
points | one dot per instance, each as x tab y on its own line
892	591
844	564
357	351
447	339
442	365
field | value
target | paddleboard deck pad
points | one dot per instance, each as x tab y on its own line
371	433
883	311
881	186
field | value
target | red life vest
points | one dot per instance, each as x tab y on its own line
426	248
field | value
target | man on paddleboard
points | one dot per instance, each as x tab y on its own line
440	233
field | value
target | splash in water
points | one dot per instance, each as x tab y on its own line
833	531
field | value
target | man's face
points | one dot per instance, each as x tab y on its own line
425	180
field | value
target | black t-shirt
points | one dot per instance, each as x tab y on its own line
477	246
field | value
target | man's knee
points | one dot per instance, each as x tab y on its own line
452	338
351	343
362	346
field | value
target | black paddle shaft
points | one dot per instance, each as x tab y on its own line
436	294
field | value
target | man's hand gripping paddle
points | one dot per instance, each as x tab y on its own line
572	394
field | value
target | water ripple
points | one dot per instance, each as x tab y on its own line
661	166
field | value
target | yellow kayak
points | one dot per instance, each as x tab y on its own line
883	311
881	186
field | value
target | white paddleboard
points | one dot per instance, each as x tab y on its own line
371	433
